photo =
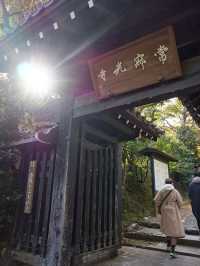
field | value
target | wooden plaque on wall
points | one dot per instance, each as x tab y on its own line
146	61
30	187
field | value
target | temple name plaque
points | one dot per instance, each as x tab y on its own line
144	62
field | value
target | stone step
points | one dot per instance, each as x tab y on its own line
154	234
188	230
160	246
190	224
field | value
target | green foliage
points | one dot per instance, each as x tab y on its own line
137	198
9	194
181	140
137	183
10	113
16	121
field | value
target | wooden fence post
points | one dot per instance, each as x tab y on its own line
58	205
118	195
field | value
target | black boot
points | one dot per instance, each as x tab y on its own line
172	253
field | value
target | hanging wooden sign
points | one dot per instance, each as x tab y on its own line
30	187
144	62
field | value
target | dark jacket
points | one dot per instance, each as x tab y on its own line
194	194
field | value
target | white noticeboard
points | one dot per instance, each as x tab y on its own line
161	172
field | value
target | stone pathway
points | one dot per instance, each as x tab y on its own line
193	251
188	218
154	234
129	256
190	223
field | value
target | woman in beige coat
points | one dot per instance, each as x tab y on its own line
168	202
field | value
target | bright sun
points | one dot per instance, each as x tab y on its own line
36	78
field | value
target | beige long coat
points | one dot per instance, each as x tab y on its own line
171	224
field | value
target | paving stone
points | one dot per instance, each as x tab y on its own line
161	246
141	257
191	223
154	234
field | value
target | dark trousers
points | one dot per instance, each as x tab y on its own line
198	222
197	216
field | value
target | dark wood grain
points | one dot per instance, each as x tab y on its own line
110	197
94	201
55	249
70	224
48	198
41	184
79	200
100	198
105	214
118	194
87	199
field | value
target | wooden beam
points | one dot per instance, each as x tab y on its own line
48	198
56	253
100	198
194	100
71	192
89	104
110	197
100	134
21	216
91	146
144	125
38	210
105	206
118	194
93	203
78	220
116	124
88	187
27	258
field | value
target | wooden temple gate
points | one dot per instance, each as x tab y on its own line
95	210
82	217
36	184
69	213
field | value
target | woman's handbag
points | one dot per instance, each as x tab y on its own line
163	200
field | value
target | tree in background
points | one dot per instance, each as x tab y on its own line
137	187
9	117
14	122
181	140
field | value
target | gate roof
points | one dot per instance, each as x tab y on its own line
155	153
69	33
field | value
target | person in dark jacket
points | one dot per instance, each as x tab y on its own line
194	195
